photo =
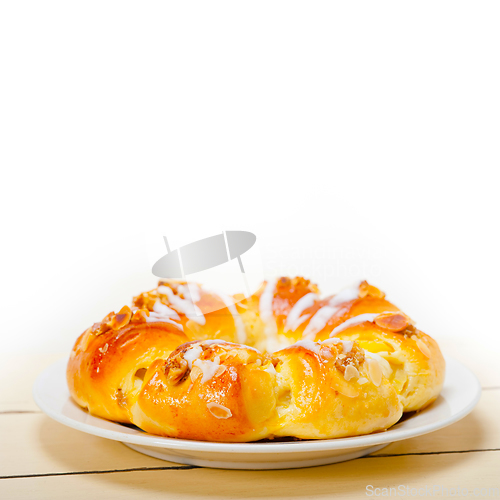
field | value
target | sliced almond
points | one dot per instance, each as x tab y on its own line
423	348
393	321
368	290
375	371
219	411
362	380
121	319
195	373
88	336
327	353
220	370
351	372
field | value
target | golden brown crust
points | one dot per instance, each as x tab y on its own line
415	365
233	405
322	402
105	368
211	320
172	364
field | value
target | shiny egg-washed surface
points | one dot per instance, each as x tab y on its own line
184	361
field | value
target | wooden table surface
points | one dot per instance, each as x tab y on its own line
40	458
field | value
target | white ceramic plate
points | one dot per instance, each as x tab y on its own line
460	394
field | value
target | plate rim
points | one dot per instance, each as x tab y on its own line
389	436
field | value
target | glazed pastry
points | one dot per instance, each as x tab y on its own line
109	360
218	391
211	391
188	362
410	359
331	389
328	313
277	312
203	313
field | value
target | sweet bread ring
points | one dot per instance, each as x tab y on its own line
410	359
175	363
109	360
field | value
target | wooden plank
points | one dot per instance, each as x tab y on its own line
482	361
40	445
480	430
21	374
344	481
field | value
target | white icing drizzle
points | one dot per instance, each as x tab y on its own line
325	313
164	310
190	291
272	342
345	296
319	321
266	302
300	321
294	320
238	322
185	306
156	318
209	368
354	321
192	354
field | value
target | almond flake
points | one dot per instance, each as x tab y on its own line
220	371
195	373
392	321
423	348
375	371
219	411
351	372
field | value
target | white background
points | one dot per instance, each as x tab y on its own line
356	140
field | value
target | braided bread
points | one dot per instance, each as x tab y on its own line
191	363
